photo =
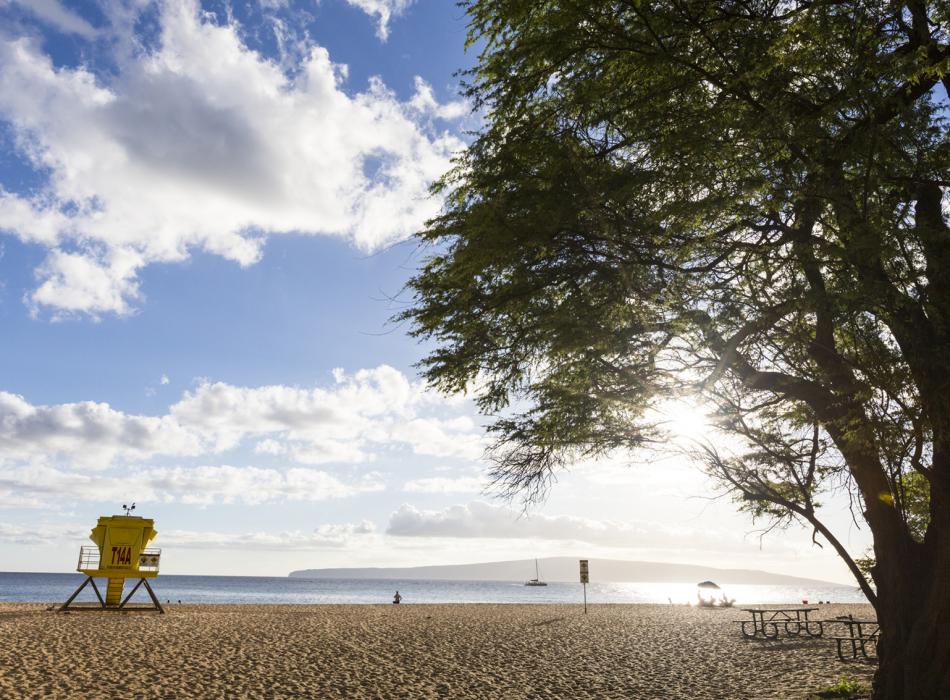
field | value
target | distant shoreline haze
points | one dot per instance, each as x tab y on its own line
556	569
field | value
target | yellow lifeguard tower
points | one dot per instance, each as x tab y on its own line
121	551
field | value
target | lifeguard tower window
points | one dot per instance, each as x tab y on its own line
121	551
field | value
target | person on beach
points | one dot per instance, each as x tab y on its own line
396	598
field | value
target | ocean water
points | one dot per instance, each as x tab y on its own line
56	588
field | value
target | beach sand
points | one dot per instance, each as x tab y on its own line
409	651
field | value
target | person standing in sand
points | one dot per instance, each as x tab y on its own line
396	598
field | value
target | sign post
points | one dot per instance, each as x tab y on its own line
585	579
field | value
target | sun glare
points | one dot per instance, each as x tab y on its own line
686	422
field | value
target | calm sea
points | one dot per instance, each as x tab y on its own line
52	588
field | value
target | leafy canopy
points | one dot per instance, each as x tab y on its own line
742	199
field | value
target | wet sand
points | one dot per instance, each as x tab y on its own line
409	651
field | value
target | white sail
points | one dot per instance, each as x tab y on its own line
536	581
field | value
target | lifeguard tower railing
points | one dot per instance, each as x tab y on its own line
89	558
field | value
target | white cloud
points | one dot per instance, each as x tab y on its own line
441	437
344	423
350	421
164	381
424	102
87	281
11	499
465	484
41	533
325	450
205	144
480	520
53	13
270	447
251	485
89	433
486	520
323	537
330	536
204	485
383	10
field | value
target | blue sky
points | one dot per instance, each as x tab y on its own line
204	214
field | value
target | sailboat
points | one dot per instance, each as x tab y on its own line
536	581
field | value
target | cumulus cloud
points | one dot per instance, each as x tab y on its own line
383	11
441	437
92	434
424	102
343	423
203	143
203	485
351	420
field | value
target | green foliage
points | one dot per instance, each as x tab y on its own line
742	200
845	687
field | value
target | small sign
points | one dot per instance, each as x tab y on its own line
585	573
148	560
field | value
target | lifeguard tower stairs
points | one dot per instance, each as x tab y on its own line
121	552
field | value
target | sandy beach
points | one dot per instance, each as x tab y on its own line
408	651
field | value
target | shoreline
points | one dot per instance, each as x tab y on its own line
45	604
40	588
459	650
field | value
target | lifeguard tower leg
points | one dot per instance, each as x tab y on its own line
154	598
75	593
132	592
151	594
88	580
96	589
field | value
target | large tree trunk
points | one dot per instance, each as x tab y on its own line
913	609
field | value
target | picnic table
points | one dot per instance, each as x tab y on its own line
766	621
861	635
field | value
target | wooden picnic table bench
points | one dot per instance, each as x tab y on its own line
766	621
862	634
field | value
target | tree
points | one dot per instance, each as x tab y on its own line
745	199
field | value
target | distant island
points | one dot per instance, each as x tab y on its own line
566	569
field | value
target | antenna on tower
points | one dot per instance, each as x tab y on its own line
128	509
